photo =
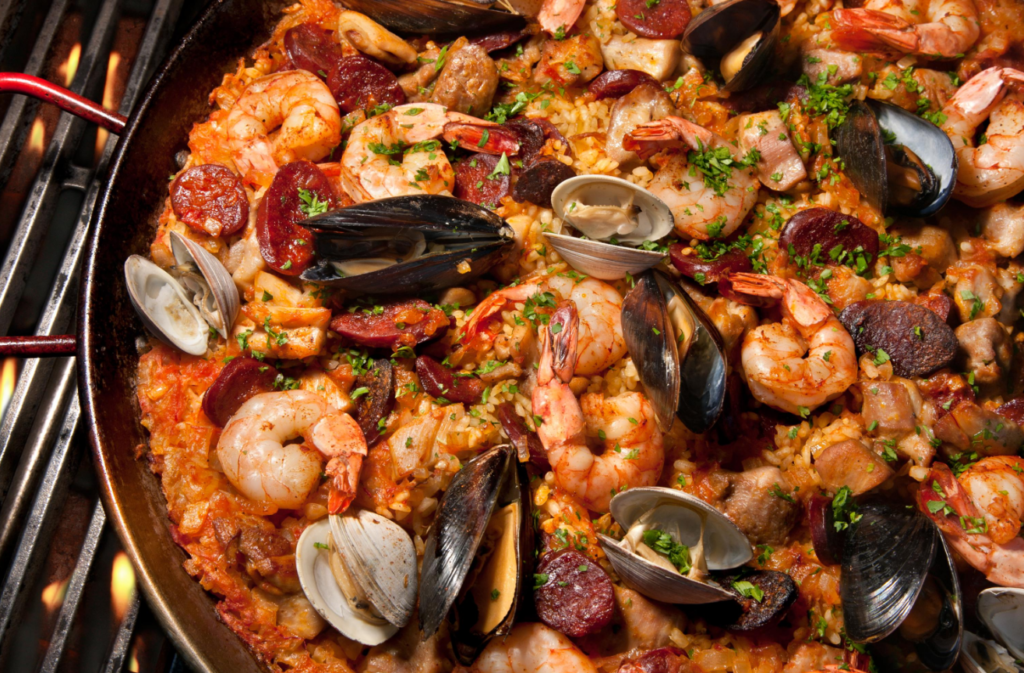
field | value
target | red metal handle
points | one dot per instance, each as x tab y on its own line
38	346
15	82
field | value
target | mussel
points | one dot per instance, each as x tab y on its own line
181	306
898	161
711	541
678	352
899	585
405	244
434	17
358	570
478	551
738	38
612	214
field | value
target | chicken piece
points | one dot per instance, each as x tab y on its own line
931	252
969	427
851	464
468	81
416	84
1002	226
888	408
755	503
297	615
985	349
816	61
845	287
573	61
658	58
639	624
1011	280
976	293
408	652
647	102
780	166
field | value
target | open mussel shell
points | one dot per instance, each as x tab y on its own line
738	38
406	244
602	207
1002	610
678	352
898	161
358	570
899	583
434	17
683	517
480	542
205	278
164	306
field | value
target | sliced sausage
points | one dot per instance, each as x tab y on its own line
240	379
843	239
536	183
527	443
468	81
376	398
777	591
657	19
210	199
576	597
311	48
914	338
661	660
440	381
399	324
689	263
617	83
360	83
477	181
498	41
286	246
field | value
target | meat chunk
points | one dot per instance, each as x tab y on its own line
408	653
647	102
851	464
639	624
467	82
658	58
780	166
969	427
570	62
1002	226
977	294
985	349
837	66
888	408
931	251
811	656
296	615
754	502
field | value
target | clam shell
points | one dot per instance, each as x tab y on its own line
603	260
1002	610
720	28
654	219
654	581
222	287
163	306
983	656
434	17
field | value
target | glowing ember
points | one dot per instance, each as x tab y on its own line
8	377
53	595
122	585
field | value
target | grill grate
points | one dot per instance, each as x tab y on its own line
68	600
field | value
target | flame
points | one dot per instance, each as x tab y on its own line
8	378
37	137
53	595
70	66
133	662
122	585
108	97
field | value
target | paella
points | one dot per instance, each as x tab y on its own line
601	335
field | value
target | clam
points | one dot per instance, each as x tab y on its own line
898	161
358	570
406	244
612	214
738	38
475	564
983	656
678	352
899	585
1002	610
207	281
432	17
164	307
713	543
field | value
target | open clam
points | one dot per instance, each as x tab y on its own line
615	216
898	161
678	352
1002	610
738	38
475	565
711	541
899	585
433	17
164	307
358	570
980	655
207	281
406	244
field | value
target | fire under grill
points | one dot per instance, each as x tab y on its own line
69	600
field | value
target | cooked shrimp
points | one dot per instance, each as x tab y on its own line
295	103
375	40
979	514
475	333
993	171
625	424
599	306
805	360
704	206
942	28
558	15
531	648
256	460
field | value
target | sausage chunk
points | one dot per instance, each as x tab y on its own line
576	597
468	81
758	501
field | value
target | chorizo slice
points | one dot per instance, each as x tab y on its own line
915	339
240	379
618	83
692	265
655	19
360	83
477	180
299	190
375	395
841	239
309	47
576	596
440	381
536	183
210	199
396	325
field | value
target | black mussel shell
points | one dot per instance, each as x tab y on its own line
436	17
746	613
682	377
719	29
898	161
435	237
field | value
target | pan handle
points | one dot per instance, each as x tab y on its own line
16	82
38	346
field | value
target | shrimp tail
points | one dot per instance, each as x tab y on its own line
558	354
872	30
942	487
343	472
669	132
757	285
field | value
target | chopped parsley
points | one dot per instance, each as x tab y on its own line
661	542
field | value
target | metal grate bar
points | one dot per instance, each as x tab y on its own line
43	198
10	15
41	523
76	588
123	641
18	119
